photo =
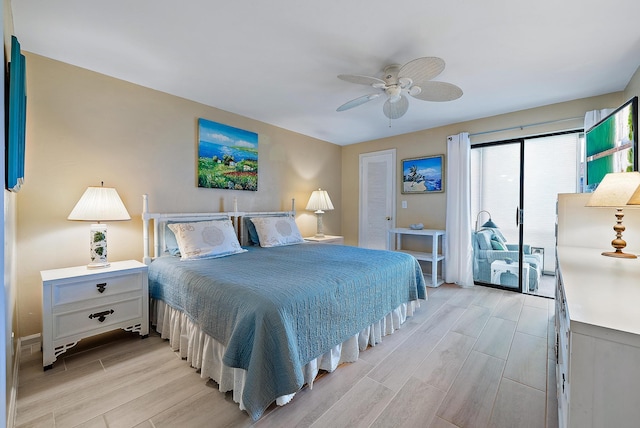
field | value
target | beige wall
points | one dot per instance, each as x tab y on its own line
593	227
10	289
633	88
430	209
84	128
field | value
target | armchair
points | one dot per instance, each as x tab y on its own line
485	253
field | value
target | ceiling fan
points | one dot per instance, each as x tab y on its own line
413	78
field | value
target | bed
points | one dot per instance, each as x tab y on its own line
262	320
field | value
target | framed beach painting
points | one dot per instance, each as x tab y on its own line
423	175
227	157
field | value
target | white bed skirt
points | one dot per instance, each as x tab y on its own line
205	353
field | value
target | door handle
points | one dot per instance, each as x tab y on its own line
519	216
388	218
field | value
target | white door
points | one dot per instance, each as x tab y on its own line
377	198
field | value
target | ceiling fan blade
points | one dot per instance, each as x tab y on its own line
397	109
362	80
438	91
358	101
422	69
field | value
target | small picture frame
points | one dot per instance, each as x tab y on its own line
539	250
423	175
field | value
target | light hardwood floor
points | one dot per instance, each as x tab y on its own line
475	357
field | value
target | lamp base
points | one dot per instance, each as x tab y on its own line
98	246
619	255
618	243
98	265
319	225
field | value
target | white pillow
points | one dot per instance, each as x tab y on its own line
206	239
277	231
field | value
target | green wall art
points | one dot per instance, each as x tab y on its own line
227	157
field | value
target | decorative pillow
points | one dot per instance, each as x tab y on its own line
206	239
498	236
170	241
254	239
484	239
277	231
497	245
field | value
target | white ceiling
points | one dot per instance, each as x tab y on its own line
277	61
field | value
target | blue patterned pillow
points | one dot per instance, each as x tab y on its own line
254	239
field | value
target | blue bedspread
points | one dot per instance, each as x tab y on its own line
276	309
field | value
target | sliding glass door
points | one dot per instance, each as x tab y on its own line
496	171
515	184
551	166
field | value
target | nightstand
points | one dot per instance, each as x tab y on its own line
327	239
78	302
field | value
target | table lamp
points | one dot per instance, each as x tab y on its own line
99	204
614	191
319	202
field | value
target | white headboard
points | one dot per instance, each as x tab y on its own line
161	219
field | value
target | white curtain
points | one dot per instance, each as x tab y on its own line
459	251
594	116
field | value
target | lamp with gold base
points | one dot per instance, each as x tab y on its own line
615	191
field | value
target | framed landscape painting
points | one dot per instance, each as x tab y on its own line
423	175
227	157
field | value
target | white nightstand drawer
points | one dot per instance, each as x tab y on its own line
78	302
89	319
77	291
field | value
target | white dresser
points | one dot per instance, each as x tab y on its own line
597	321
80	302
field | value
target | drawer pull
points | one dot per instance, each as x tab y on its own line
101	287
101	315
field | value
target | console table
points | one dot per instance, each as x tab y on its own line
438	245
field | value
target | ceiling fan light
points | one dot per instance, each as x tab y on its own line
397	109
405	82
413	78
394	93
415	90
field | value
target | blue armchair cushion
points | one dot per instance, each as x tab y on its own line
497	245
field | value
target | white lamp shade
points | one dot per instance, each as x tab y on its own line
319	201
99	204
635	198
615	190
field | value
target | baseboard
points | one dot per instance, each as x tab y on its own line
13	392
31	338
13	397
